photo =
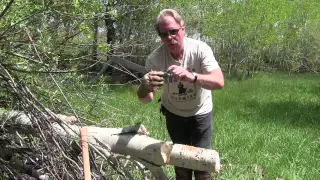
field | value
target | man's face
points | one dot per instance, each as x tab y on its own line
171	34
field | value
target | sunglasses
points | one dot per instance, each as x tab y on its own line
170	32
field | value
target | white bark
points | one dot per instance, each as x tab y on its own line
133	141
195	158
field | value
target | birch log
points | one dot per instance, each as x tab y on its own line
133	141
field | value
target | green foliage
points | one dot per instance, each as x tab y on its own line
245	35
257	35
262	33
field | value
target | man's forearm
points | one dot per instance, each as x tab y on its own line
144	94
207	82
211	81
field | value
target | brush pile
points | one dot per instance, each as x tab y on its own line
31	147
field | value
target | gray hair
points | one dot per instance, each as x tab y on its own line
169	12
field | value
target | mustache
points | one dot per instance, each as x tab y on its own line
174	42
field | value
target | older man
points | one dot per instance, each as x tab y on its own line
186	100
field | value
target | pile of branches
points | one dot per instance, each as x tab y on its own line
33	149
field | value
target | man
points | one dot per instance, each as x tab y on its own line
186	99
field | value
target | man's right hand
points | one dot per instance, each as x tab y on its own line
153	80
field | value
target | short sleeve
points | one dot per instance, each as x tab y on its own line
208	62
155	60
148	66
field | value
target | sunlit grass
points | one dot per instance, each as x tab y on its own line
272	121
264	127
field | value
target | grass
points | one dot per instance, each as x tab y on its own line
272	121
265	127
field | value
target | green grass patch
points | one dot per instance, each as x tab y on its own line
271	120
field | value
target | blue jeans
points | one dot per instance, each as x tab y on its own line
194	131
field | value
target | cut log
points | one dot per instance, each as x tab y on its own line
133	141
195	158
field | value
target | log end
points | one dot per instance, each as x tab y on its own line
143	130
166	149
